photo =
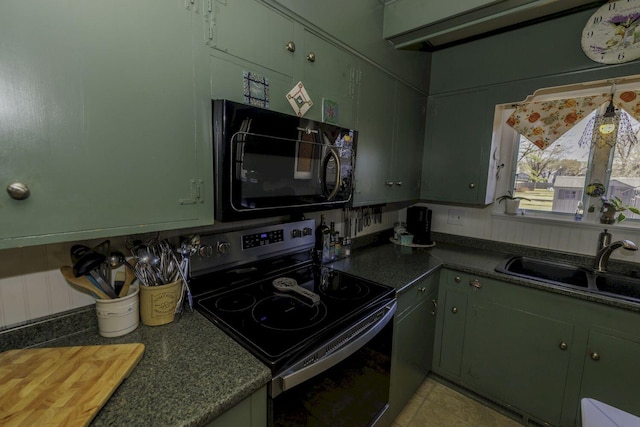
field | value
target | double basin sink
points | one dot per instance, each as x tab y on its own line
608	284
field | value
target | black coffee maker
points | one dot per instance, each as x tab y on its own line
419	224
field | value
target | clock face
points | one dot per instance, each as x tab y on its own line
612	34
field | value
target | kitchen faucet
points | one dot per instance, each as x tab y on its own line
604	252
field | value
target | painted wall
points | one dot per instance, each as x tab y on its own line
511	66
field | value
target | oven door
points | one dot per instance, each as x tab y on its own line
344	382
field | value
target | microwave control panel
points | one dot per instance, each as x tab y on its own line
262	239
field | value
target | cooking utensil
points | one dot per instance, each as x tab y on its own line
104	268
116	259
83	283
77	251
129	278
89	264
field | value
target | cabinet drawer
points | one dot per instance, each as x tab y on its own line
465	282
410	297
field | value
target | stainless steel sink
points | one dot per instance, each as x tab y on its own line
618	285
572	276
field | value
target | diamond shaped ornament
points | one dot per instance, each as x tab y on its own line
299	99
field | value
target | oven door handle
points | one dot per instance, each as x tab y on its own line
292	378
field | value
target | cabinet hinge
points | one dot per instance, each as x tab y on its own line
196	193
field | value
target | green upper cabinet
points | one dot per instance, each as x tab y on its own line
272	55
329	72
104	117
282	51
376	94
390	139
253	32
408	143
458	149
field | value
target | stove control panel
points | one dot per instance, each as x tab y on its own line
262	239
228	249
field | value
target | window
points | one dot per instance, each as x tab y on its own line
554	179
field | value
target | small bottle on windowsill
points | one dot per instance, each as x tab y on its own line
579	212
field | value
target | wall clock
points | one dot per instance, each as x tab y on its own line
612	34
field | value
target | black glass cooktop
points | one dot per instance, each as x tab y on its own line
275	322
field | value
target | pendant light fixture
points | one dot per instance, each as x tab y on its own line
609	119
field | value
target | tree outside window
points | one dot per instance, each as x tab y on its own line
554	179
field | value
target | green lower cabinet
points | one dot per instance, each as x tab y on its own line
518	358
413	333
611	373
450	340
536	352
250	412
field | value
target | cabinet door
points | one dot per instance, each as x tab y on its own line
611	373
328	72
376	94
519	358
457	148
412	351
100	104
408	144
453	316
256	33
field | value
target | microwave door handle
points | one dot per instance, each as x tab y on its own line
325	165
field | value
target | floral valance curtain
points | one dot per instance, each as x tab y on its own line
544	122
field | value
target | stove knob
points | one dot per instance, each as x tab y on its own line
296	233
307	231
206	251
224	247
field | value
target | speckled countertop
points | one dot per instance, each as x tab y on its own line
401	266
191	372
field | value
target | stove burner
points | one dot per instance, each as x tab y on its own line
233	303
353	291
287	313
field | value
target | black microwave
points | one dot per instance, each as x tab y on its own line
269	163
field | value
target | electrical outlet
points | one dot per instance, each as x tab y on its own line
455	217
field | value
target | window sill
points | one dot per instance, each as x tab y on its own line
588	222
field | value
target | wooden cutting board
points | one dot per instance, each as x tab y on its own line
63	386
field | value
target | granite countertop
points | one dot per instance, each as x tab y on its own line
400	266
190	373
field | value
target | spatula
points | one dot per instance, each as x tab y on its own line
83	282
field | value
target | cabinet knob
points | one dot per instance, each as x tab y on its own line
563	345
389	183
595	356
472	185
399	183
457	279
18	191
454	310
435	307
475	283
291	46
422	290
311	57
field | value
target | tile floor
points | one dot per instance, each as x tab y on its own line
436	405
